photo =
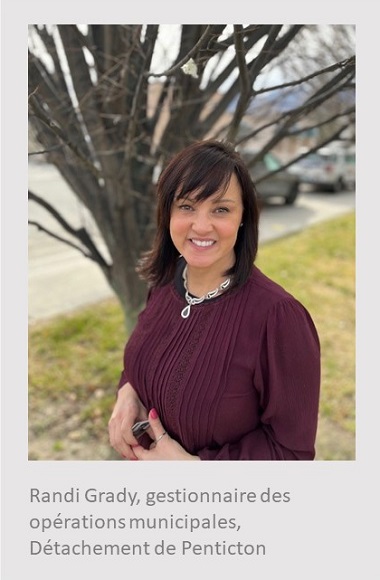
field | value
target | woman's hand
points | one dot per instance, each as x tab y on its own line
163	446
127	410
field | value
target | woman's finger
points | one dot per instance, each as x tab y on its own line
156	426
116	428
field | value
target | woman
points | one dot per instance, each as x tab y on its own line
223	362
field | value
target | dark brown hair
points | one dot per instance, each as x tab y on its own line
205	167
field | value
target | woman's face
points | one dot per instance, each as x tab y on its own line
205	232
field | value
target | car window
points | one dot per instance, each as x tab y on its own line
329	157
350	158
312	160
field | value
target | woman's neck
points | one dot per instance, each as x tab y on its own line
200	281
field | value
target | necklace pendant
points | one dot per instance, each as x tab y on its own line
186	311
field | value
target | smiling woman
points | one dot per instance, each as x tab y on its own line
205	233
224	363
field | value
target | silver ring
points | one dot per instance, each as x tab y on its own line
160	437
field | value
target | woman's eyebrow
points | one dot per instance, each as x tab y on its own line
224	200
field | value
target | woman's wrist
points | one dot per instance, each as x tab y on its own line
126	390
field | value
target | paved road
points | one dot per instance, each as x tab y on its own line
61	279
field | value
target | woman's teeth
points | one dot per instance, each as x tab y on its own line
203	244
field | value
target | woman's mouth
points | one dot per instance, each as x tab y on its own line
202	243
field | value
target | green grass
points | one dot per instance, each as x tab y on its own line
75	361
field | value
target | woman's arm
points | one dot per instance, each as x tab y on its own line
287	379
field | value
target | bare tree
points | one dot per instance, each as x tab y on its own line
108	119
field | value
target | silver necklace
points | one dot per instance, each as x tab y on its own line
191	301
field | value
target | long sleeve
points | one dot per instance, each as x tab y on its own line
287	378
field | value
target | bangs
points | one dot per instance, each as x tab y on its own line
204	180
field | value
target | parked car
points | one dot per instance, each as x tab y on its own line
330	168
283	185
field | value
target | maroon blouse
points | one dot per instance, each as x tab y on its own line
239	379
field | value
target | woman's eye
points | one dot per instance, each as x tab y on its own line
222	210
185	207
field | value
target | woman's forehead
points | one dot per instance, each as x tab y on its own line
230	187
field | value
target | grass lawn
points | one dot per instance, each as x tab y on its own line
75	360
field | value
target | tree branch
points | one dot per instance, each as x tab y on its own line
44	151
60	239
39	112
350	62
327	121
188	56
333	137
81	234
245	86
254	70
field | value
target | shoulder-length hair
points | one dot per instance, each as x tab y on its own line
205	167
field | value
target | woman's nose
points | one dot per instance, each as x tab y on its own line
202	222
